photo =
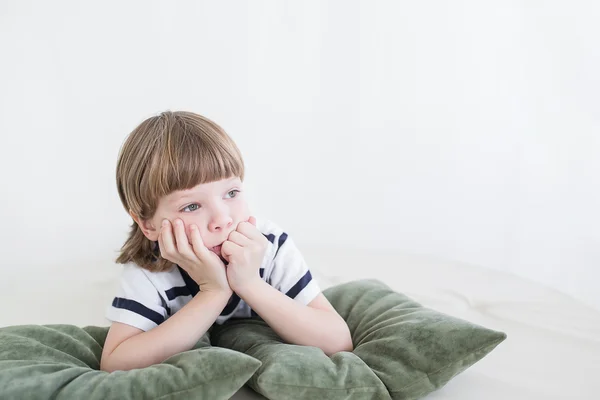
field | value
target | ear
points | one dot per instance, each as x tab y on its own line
146	226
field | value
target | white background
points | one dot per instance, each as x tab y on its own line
464	130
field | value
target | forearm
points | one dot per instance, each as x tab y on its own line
177	334
296	323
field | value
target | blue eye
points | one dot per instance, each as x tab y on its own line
191	207
233	193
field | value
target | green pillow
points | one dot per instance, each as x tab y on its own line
413	350
298	372
63	361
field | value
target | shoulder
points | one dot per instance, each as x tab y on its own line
273	232
282	247
135	274
132	271
268	227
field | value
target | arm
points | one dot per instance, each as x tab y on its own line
127	347
317	324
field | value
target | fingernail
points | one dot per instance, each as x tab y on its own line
165	222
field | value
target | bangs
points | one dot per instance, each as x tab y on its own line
192	151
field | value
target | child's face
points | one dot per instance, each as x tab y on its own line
216	208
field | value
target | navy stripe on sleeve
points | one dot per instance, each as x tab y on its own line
177	291
301	284
282	240
270	237
138	308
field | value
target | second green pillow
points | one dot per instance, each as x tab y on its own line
298	372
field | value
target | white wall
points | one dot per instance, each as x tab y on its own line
463	130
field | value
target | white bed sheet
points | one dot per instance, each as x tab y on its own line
552	350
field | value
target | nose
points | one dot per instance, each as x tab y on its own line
219	222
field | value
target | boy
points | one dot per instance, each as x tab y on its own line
195	255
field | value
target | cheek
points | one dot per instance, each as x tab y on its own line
241	211
201	223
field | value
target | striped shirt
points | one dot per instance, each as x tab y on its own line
146	299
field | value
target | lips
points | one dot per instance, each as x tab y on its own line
216	250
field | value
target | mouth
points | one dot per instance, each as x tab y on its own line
217	251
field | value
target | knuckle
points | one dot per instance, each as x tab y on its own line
168	253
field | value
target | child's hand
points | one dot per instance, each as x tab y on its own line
244	249
202	265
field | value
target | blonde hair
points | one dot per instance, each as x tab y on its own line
169	152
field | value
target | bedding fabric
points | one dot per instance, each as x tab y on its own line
63	361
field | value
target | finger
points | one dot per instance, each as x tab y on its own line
249	230
252	220
198	246
181	240
165	240
229	248
239	239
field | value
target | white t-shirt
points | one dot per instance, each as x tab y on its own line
145	299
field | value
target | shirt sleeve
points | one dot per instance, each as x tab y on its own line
290	274
138	303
